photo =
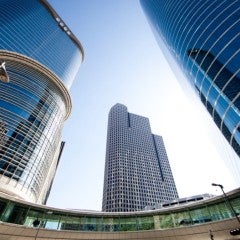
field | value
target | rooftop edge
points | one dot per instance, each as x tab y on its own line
56	16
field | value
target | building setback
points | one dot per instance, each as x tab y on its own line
137	170
39	59
203	38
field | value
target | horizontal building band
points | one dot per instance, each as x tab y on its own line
31	63
203	214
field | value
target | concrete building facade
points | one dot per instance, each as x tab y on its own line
137	170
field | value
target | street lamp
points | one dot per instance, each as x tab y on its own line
37	223
229	203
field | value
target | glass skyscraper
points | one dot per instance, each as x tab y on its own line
137	170
41	57
203	38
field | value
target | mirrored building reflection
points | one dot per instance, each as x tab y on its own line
202	36
41	57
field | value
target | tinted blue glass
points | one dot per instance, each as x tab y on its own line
203	36
27	27
32	111
13	108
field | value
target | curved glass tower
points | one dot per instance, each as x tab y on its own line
203	37
41	57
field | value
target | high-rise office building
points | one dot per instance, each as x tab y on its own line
202	37
137	170
39	59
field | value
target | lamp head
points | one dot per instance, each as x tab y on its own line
3	73
217	185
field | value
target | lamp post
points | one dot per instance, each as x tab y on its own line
39	223
227	201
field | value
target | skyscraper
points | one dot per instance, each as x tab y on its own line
137	170
39	59
203	38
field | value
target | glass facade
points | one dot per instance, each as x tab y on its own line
203	212
32	113
33	29
41	56
203	37
137	170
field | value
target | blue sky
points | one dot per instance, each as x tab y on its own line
124	64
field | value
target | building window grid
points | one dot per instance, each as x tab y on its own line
134	165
